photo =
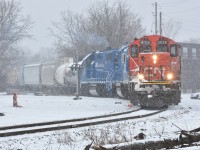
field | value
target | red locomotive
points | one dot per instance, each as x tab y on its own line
155	71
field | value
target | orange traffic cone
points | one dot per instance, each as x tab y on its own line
130	105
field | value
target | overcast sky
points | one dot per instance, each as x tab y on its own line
43	12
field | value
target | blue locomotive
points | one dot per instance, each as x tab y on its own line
104	71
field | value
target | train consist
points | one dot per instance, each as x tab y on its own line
51	77
147	71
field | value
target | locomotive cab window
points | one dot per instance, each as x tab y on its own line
162	48
173	51
89	60
145	49
134	51
162	45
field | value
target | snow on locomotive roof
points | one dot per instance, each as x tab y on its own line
80	62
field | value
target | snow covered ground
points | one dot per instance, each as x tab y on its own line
49	108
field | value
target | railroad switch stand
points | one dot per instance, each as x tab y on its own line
77	67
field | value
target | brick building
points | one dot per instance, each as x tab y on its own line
190	68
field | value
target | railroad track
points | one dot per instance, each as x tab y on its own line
74	123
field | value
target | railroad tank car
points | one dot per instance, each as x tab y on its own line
49	83
146	71
66	78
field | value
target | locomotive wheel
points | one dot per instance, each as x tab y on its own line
134	98
125	91
174	97
101	90
85	90
122	91
156	102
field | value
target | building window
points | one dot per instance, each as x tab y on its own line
194	52
185	52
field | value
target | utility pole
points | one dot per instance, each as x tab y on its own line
156	31
160	23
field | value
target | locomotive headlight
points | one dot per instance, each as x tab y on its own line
169	76
140	76
155	57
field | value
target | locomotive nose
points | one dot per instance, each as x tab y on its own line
154	59
155	66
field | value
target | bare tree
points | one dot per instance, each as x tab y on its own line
104	25
13	28
69	33
114	22
171	28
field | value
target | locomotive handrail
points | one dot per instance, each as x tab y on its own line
157	82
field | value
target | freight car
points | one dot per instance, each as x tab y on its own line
147	71
50	77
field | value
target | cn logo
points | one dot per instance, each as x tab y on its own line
155	70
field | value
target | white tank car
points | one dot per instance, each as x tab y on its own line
64	76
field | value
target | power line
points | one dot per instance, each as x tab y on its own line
171	4
188	25
184	21
174	4
192	26
183	11
190	30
